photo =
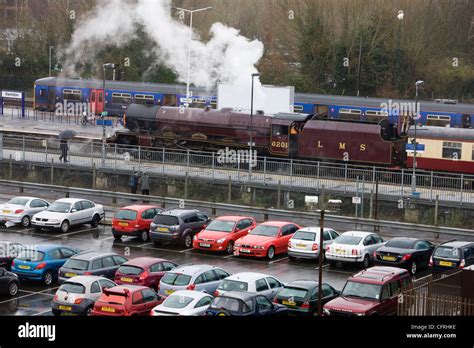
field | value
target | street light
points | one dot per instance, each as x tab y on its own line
50	59
400	16
251	126
105	67
415	118
191	12
320	266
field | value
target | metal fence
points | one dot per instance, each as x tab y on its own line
303	176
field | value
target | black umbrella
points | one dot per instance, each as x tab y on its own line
67	134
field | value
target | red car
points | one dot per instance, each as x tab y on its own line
222	233
144	271
266	240
134	221
126	300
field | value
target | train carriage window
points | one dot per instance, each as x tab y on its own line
438	120
214	104
349	114
144	99
169	100
72	94
297	108
198	103
121	98
375	116
42	92
452	150
278	130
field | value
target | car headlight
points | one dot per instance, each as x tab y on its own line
326	311
238	245
195	237
220	241
54	221
360	314
260	247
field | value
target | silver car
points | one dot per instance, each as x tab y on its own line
203	278
304	243
77	295
262	284
184	302
20	210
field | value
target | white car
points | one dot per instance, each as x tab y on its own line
262	284
184	302
19	210
305	242
67	212
354	246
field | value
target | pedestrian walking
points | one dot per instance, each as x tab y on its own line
64	148
133	183
145	184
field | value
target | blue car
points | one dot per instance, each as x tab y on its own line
42	262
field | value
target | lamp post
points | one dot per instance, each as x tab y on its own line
400	16
251	126
191	12
320	266
50	58
415	119
105	67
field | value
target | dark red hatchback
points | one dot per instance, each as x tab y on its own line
144	271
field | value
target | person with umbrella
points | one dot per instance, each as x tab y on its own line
64	136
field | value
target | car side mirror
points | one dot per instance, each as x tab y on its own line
73	210
237	229
250	230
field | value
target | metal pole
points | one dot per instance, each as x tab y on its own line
320	266
189	55
50	59
358	70
413	178
251	129
376	199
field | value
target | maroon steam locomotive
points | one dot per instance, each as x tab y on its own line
299	136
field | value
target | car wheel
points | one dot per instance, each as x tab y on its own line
13	288
144	236
230	247
187	241
95	221
271	253
413	268
25	221
366	262
64	226
48	278
88	311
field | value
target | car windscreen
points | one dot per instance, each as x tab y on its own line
130	270
73	288
304	235
126	214
18	201
447	252
177	301
401	244
31	255
176	279
113	298
233	285
227	303
59	207
362	290
348	240
293	292
265	230
77	265
221	226
166	220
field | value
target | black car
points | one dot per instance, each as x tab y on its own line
453	254
237	303
9	251
91	263
178	225
411	254
301	296
8	282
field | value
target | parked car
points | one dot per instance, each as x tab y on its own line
9	282
266	240
42	262
301	296
221	233
203	278
77	295
262	284
184	302
304	243
134	221
91	263
67	212
19	210
453	254
8	252
178	225
144	271
125	300
237	303
409	253
354	246
373	291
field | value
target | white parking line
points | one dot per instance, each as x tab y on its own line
101	240
37	314
187	250
228	256
285	258
142	245
31	293
71	233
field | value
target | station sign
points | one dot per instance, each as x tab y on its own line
419	148
311	199
187	100
107	123
12	95
356	200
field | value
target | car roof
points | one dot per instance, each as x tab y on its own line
179	212
85	280
26	197
190	293
247	276
314	229
48	247
192	269
232	217
89	255
306	284
71	200
241	295
132	288
143	261
139	207
357	233
379	274
456	244
277	223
